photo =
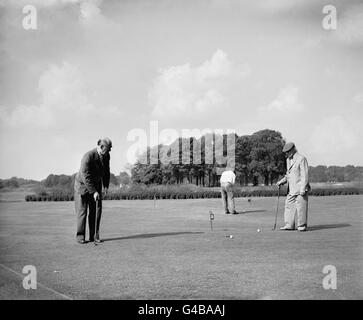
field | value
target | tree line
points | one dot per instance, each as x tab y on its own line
318	173
336	173
258	159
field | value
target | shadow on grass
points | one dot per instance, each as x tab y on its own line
250	211
328	226
150	235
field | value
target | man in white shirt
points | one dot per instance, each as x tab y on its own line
227	181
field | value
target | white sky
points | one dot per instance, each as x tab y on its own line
104	68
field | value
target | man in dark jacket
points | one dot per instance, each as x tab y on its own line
94	172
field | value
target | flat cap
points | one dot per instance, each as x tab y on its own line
288	146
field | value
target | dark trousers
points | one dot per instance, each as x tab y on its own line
82	203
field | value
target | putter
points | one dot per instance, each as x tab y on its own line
277	209
95	235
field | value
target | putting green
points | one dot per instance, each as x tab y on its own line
170	252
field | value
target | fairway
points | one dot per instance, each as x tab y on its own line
169	251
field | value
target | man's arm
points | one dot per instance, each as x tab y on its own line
233	178
282	181
304	176
86	174
106	177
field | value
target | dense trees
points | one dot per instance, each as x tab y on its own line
258	159
67	182
335	173
9	183
124	178
58	180
252	166
15	182
266	159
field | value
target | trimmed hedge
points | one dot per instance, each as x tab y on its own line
150	194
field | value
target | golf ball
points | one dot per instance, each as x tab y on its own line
231	236
258	230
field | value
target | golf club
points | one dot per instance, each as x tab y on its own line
96	213
277	209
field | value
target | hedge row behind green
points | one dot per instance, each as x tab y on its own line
199	194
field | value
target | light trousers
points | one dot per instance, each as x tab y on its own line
228	198
296	205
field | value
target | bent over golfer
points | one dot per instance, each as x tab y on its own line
93	173
227	181
297	179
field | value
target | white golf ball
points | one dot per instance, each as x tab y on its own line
258	230
231	236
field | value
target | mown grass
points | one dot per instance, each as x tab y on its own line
167	250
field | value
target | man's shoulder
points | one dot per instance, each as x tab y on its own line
228	172
300	157
90	154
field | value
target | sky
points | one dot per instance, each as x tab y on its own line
95	69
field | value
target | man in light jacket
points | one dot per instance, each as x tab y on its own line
297	179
